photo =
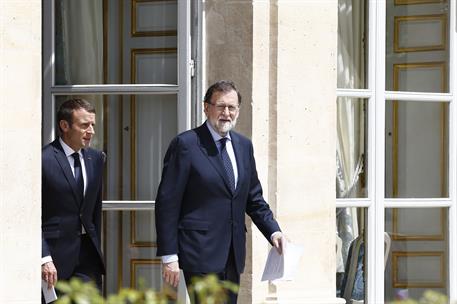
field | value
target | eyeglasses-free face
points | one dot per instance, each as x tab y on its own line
79	133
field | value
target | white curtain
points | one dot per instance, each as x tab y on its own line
82	37
81	42
350	117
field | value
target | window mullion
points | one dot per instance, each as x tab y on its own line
128	205
417	203
119	89
378	213
452	153
418	97
356	93
184	61
359	203
48	71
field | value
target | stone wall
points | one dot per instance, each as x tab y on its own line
20	151
282	55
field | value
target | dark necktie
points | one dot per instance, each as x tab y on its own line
227	163
78	173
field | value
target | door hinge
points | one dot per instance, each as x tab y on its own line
192	68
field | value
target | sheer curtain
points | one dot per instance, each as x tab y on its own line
350	120
79	50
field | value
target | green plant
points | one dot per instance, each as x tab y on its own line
75	291
209	290
429	297
433	297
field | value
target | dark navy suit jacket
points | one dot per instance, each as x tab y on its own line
197	215
64	210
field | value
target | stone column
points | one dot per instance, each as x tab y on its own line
20	151
306	136
228	47
282	55
263	134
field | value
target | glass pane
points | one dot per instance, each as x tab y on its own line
130	252
416	255
351	156
417	146
134	131
92	46
351	264
417	45
352	44
154	18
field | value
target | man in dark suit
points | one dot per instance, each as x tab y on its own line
72	198
209	181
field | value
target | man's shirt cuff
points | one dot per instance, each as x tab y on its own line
169	258
46	259
273	234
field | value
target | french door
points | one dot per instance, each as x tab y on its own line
132	60
396	193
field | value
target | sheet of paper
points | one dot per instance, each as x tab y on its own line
282	267
274	267
292	256
49	294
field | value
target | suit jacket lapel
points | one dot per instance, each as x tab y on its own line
65	165
209	148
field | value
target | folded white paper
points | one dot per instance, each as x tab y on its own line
49	294
282	267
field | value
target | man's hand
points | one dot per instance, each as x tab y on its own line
49	274
170	273
279	241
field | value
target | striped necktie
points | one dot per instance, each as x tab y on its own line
227	163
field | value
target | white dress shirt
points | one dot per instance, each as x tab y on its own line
68	152
228	147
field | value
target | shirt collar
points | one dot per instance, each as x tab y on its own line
66	148
215	135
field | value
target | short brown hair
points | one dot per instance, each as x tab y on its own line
69	106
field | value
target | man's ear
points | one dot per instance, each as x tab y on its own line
64	125
205	108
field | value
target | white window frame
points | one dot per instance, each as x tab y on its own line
182	89
376	201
